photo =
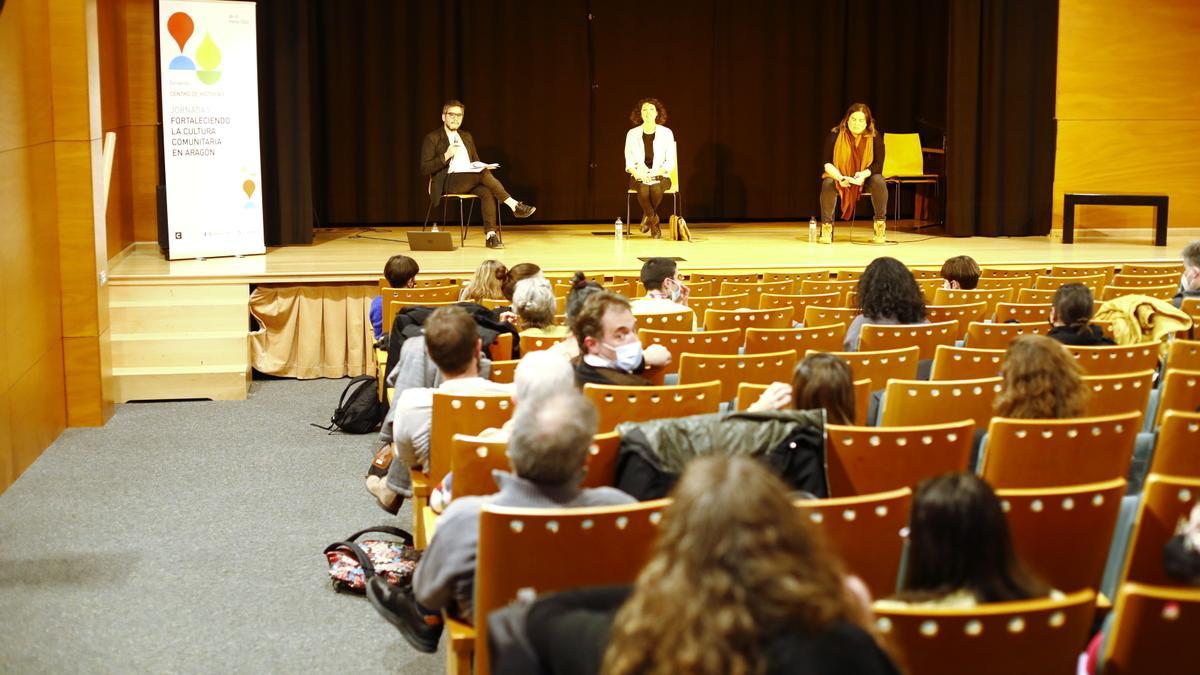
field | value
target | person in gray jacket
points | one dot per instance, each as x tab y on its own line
547	449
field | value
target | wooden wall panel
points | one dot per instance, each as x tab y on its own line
26	115
8	464
36	400
1128	107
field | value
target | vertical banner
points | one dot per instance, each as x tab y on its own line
208	59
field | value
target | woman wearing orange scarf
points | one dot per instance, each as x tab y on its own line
853	159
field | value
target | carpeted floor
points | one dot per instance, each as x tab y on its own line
186	537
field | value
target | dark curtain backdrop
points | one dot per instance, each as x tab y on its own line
1000	113
349	90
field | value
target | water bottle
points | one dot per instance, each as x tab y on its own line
812	230
617	226
435	227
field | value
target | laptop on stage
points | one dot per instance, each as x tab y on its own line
431	241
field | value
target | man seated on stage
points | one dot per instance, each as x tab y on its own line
446	157
665	294
960	273
453	343
610	351
1189	283
548	451
400	272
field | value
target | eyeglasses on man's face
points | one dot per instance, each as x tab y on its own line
456	115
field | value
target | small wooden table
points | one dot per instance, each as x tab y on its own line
1159	202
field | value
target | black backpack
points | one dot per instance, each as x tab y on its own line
359	410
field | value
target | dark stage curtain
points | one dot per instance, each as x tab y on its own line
751	87
1000	110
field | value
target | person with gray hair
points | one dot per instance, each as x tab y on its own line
533	303
548	451
1189	283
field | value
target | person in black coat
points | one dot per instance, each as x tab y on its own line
447	156
738	582
1071	316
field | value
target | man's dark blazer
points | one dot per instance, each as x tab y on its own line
434	163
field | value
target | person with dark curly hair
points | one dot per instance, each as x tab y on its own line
649	159
888	294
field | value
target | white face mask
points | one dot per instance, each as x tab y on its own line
629	356
676	290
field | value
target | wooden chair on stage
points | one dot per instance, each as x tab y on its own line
904	164
724	342
820	338
910	402
926	337
464	219
1033	637
617	404
1048	453
735	369
863	460
673	191
1064	533
594	546
966	363
881	366
865	532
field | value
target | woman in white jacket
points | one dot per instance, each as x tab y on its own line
649	159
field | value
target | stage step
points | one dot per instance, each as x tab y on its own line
219	383
176	341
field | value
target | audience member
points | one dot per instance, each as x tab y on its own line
487	284
738	582
959	550
1071	315
453	344
534	305
1189	282
548	452
516	273
581	289
610	351
819	381
888	294
665	294
960	273
1041	381
400	272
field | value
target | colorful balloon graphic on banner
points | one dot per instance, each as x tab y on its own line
248	188
208	57
181	27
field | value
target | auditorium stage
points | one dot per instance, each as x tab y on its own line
340	254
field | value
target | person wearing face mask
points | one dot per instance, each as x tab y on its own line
665	294
649	159
1189	283
610	352
853	160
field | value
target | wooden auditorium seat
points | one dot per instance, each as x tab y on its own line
865	531
863	460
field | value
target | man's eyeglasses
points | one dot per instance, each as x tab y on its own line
450	114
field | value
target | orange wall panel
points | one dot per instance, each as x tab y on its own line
1128	108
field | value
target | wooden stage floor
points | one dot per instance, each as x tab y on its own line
342	254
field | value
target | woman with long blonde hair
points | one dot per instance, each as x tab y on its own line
1042	380
738	583
487	284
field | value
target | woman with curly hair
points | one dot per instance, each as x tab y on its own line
487	284
853	160
738	582
960	553
1041	381
888	294
649	159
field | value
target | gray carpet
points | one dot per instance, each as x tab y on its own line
187	537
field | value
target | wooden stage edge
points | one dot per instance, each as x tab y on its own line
358	255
